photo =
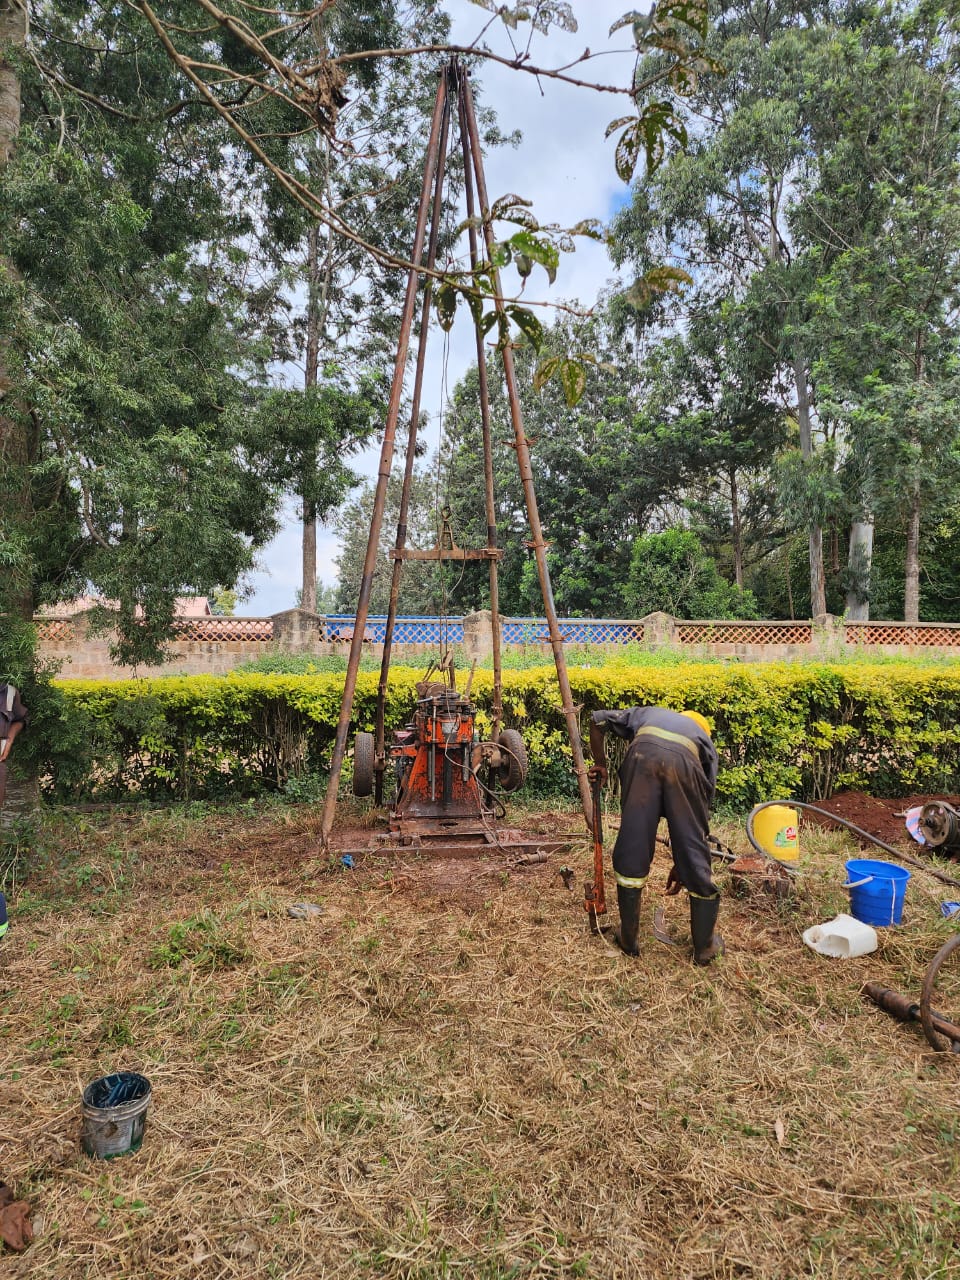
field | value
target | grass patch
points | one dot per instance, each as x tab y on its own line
445	1076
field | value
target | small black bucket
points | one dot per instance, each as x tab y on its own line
115	1114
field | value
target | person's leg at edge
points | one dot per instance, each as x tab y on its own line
633	851
688	817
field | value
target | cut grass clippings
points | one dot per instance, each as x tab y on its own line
446	1076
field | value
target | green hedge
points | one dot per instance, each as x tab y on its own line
781	730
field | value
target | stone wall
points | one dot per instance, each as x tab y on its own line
214	646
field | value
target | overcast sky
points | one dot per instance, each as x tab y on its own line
563	164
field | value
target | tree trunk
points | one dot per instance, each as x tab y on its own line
789	577
16	439
13	30
859	563
818	585
308	593
911	574
737	531
911	591
308	590
16	444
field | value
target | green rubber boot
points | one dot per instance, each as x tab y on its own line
628	900
707	944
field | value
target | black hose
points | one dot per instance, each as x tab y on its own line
865	835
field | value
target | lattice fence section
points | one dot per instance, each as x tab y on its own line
743	632
54	630
935	635
222	629
572	631
340	627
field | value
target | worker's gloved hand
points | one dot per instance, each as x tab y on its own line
597	773
673	884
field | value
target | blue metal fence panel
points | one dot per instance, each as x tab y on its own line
340	626
410	630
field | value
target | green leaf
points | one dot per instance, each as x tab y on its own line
503	330
618	124
476	309
545	372
539	250
508	205
446	303
523	264
691	13
657	120
528	324
639	21
628	152
591	227
667	279
573	379
500	253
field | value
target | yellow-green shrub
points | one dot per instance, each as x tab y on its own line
781	730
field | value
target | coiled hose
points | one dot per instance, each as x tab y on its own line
859	831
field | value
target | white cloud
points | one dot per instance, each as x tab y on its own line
563	164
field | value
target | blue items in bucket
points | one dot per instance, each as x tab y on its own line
114	1110
876	891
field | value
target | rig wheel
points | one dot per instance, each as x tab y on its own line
513	771
940	985
363	750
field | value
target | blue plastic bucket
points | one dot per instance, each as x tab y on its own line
876	891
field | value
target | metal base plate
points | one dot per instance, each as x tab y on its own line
461	840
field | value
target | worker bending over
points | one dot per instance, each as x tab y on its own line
670	770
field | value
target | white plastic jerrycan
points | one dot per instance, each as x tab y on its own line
843	937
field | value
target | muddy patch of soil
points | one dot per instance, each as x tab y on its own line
878	817
466	877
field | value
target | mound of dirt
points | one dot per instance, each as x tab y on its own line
884	819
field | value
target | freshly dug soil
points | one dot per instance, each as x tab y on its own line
882	818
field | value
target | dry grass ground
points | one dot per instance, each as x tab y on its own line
445	1076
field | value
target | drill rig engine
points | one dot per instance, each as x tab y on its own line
438	760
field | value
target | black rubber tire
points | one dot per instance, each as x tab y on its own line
512	773
363	748
927	1013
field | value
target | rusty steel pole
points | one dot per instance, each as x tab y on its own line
383	475
489	500
522	446
401	539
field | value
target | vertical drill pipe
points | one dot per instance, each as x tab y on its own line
526	475
386	461
401	540
595	901
487	441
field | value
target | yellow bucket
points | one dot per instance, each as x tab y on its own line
776	831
